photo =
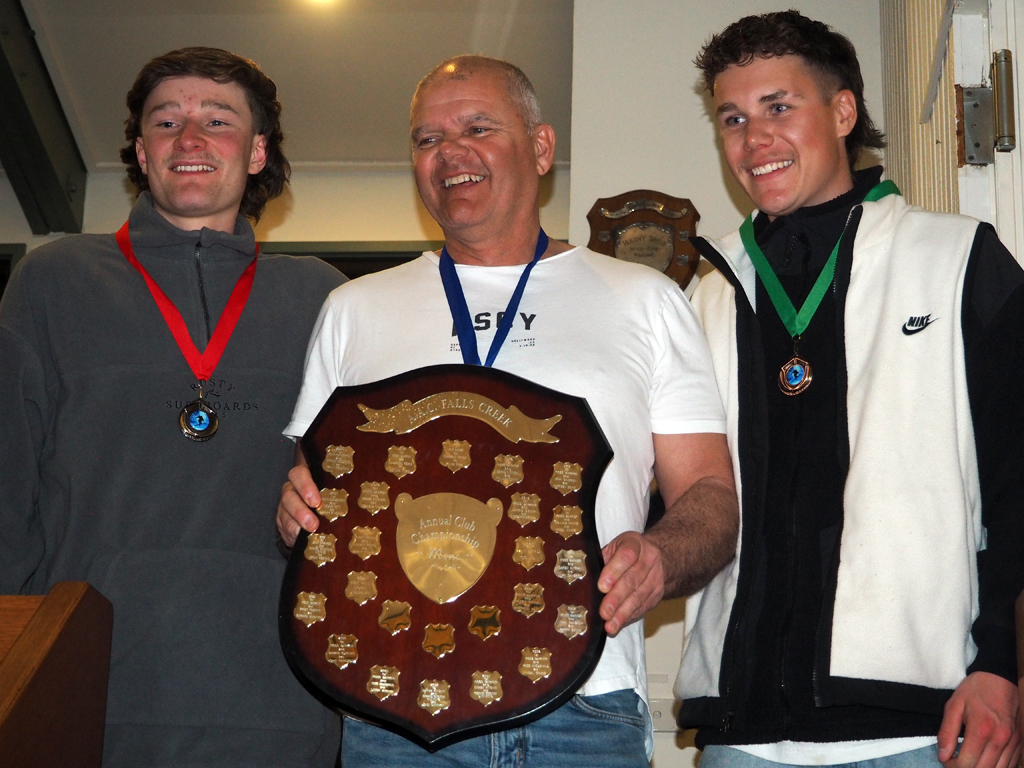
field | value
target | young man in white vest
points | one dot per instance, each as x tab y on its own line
871	360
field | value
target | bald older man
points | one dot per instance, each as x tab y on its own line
618	334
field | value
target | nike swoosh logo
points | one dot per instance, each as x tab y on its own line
911	331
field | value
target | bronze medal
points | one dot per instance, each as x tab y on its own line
795	376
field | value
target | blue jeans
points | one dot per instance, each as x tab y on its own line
727	757
604	731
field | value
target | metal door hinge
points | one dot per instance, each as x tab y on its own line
985	116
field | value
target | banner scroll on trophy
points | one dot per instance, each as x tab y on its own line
451	587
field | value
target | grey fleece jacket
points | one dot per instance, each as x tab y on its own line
98	484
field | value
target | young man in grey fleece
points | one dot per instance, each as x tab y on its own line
133	462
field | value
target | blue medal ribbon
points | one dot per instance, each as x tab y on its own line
460	310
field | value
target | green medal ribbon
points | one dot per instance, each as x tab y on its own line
797	371
796	322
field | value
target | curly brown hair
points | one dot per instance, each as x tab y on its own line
788	33
222	67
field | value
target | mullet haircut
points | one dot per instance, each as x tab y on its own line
222	67
520	89
788	33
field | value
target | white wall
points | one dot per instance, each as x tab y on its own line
344	204
640	121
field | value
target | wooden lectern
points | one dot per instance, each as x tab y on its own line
54	662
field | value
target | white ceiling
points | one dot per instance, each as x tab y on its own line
345	69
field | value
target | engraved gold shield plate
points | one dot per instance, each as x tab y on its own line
451	586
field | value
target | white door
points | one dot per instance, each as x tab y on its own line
993	193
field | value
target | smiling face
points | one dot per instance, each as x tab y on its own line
477	165
784	141
197	150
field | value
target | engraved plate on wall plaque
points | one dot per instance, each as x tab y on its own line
645	243
444	543
647	227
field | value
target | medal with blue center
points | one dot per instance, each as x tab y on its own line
197	420
796	375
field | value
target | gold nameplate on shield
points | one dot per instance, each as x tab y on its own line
535	663
437	553
570	564
567	521
365	542
439	639
455	455
525	508
529	551
395	616
510	422
338	461
333	503
373	497
485	621
567	477
571	620
383	681
486	687
310	607
528	599
445	541
434	696
401	460
508	470
361	587
320	548
341	650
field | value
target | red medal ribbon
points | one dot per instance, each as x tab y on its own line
202	365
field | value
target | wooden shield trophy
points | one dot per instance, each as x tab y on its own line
451	587
649	228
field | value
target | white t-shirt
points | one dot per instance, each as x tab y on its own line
620	335
836	752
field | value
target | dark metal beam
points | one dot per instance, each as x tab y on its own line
37	148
